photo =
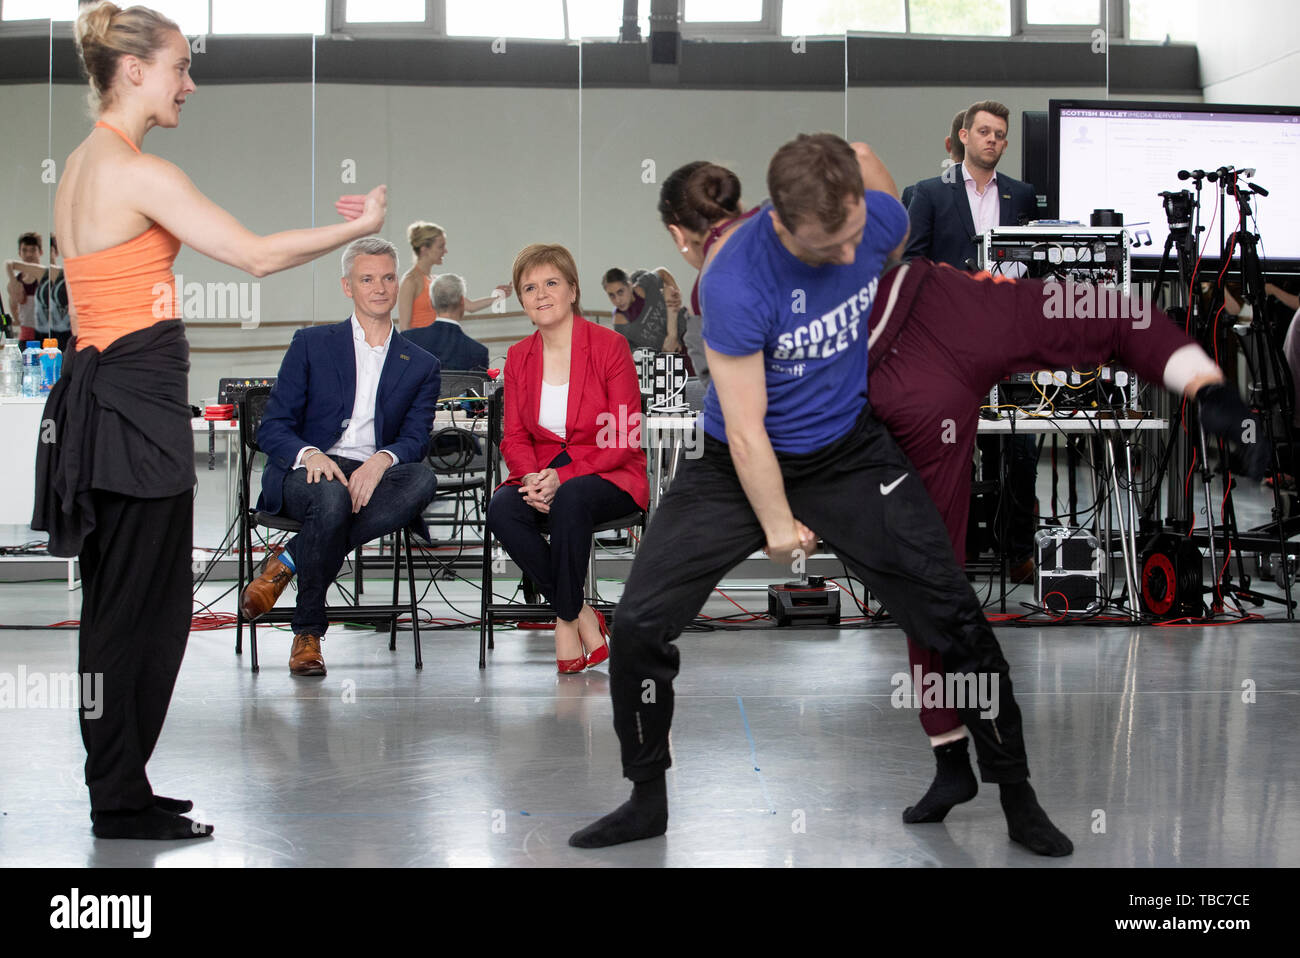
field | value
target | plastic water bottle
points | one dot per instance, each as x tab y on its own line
32	370
11	371
51	364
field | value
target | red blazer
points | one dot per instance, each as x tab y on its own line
603	425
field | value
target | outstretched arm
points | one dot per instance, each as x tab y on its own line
500	292
172	200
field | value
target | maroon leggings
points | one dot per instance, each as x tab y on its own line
948	339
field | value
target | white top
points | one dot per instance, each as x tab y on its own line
986	213
555	408
358	439
985	208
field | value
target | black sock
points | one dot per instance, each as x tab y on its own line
1028	824
151	823
644	815
954	783
177	806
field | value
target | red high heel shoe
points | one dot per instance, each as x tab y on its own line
570	666
602	653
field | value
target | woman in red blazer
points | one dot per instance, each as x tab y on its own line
572	443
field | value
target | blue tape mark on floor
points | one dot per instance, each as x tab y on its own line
753	753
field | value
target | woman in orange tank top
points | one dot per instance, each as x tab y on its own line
414	305
116	488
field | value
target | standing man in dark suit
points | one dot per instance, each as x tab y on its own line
345	433
947	215
444	338
948	211
952	146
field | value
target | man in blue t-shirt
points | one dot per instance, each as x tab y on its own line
790	446
808	322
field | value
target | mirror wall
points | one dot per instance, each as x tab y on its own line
906	123
575	157
496	166
634	137
28	174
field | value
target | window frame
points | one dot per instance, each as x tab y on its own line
768	27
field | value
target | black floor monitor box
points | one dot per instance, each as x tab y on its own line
1069	571
814	599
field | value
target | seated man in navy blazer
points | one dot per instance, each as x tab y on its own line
445	338
345	433
948	213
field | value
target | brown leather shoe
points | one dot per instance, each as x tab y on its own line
305	659
1022	572
261	593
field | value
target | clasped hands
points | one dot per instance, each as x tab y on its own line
539	488
321	468
788	545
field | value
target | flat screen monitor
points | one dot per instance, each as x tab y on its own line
1120	155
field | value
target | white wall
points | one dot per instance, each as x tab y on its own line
1250	54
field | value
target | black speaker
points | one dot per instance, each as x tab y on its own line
664	45
1035	155
1171	577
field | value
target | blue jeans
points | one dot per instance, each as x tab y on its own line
331	531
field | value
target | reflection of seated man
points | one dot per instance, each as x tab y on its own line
345	432
444	337
22	276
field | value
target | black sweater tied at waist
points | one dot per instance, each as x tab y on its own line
117	421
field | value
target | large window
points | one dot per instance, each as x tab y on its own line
1155	20
384	11
824	17
1158	19
199	16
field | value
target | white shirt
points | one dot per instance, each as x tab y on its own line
358	439
986	213
555	408
985	210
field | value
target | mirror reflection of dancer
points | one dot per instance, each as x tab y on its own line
790	447
415	308
647	308
922	331
116	488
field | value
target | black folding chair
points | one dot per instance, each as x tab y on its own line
251	408
490	610
457	457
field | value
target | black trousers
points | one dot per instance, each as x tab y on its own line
136	584
888	533
558	568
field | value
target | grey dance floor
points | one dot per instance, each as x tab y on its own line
787	750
